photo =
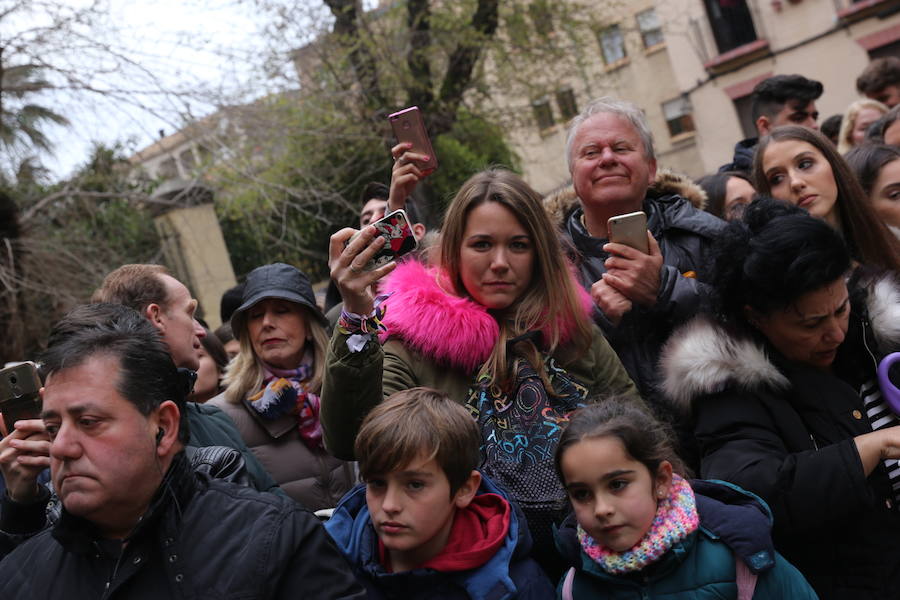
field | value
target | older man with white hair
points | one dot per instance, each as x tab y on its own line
641	296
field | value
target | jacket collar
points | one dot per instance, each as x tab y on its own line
560	203
703	358
81	536
736	517
445	328
350	526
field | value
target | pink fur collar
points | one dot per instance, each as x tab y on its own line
429	319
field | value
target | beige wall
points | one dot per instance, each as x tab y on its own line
803	38
806	38
645	77
195	249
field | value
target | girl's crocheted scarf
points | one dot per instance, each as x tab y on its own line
676	518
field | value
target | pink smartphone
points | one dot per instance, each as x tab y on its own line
409	127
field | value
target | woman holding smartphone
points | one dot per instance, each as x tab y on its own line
499	323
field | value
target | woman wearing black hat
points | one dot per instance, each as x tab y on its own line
273	385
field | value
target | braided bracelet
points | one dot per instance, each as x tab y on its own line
363	328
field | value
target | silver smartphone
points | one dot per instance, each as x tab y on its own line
629	229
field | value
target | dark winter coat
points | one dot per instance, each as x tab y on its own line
685	234
509	574
785	432
702	566
200	538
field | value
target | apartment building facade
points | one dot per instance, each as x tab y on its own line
691	66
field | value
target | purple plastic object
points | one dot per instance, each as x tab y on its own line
888	389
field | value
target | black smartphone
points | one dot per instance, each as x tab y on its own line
398	237
19	394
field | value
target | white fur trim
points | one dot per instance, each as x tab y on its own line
884	313
700	358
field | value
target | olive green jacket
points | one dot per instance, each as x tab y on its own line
355	382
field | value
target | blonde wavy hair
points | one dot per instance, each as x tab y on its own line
551	304
245	372
849	121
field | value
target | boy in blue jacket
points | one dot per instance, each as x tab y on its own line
426	523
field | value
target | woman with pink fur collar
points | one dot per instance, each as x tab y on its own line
498	323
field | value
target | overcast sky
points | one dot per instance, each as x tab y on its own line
188	45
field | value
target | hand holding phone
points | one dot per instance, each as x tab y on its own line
398	239
629	229
19	394
24	452
409	127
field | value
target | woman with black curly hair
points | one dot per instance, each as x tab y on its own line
782	385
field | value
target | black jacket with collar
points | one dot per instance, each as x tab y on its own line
785	432
685	234
200	538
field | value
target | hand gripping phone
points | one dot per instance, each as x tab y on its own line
19	394
398	238
629	229
409	127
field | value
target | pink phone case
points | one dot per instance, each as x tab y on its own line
409	127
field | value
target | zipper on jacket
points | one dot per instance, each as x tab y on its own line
865	327
813	440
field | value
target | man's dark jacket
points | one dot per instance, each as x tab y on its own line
685	235
200	538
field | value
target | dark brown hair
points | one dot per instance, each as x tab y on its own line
415	422
869	240
867	160
134	286
880	73
644	438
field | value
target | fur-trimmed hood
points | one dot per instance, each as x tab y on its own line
559	204
447	329
702	358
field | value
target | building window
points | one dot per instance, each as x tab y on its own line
167	169
565	100
678	114
541	16
731	23
613	44
651	30
187	160
543	114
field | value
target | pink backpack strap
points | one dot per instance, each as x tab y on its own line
567	584
745	579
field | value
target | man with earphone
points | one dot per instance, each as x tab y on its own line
137	521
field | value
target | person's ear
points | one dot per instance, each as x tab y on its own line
418	230
168	417
467	490
652	170
153	313
663	481
763	125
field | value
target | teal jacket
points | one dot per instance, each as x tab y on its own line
702	566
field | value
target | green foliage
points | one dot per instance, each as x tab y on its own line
312	173
471	146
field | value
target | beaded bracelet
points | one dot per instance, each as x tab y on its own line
363	328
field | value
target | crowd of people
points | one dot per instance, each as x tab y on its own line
521	408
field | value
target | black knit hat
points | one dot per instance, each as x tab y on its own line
282	281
